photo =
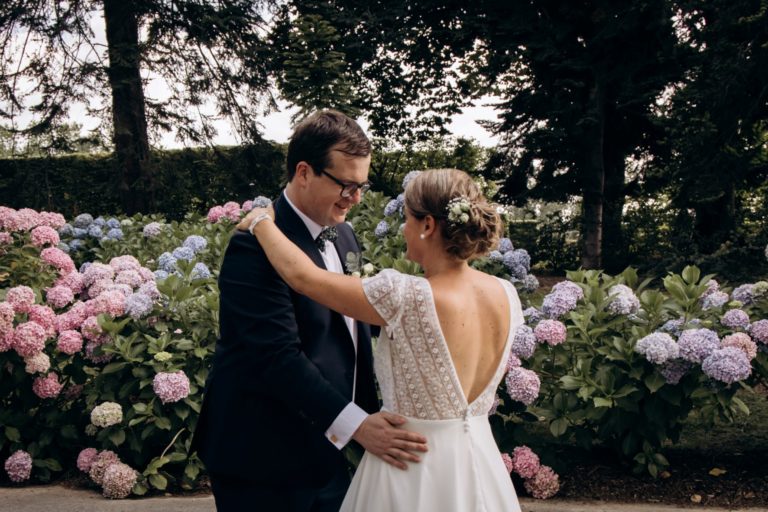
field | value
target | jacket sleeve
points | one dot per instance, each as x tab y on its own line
258	322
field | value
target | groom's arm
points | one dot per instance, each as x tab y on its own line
257	312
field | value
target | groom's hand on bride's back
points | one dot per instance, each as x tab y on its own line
381	435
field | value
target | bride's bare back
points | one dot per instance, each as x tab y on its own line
474	314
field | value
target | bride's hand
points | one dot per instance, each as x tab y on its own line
246	221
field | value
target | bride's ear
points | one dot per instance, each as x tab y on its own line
430	225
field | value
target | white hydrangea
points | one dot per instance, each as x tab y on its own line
106	414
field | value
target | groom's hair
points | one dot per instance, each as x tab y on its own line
315	136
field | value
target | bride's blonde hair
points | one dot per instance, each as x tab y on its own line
429	193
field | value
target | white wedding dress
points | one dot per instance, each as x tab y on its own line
463	470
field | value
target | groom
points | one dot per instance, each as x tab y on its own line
292	381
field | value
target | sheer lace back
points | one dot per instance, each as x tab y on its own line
413	364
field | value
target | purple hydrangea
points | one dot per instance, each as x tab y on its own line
183	253
519	258
113	223
714	300
524	342
744	294
95	231
161	275
673	327
114	234
505	245
658	347
152	229
393	207
19	466
408	177
138	305
167	262
83	221
261	202
522	385
558	303
570	288
697	344
195	242
674	370
530	283
728	365
759	331
382	228
532	315
495	256
735	319
200	271
624	301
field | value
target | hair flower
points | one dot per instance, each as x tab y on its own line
458	210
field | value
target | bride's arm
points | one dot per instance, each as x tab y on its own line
336	291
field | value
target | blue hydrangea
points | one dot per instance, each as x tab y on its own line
744	294
714	300
516	259
261	202
697	344
728	365
558	303
532	315
524	342
99	221
200	271
195	242
505	245
393	207
184	253
657	347
624	302
408	177
113	223
76	245
735	319
152	229
167	262
673	327
79	233
95	231
161	274
382	228
84	266
674	370
83	221
138	305
65	231
495	256
115	234
569	288
63	246
530	283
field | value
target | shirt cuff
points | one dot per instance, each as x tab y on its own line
345	425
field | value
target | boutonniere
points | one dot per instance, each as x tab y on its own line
354	265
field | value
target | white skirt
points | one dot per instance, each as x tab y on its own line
462	472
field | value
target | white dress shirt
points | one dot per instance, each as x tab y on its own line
350	418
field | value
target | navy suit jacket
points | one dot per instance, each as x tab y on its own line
282	371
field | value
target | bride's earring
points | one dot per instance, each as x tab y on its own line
421	236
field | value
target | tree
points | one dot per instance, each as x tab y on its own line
205	54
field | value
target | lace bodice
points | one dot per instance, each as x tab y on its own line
412	362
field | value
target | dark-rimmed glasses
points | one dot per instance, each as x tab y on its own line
348	189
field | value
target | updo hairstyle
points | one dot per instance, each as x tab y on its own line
429	193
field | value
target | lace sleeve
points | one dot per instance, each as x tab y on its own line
384	292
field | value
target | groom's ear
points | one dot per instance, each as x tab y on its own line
302	173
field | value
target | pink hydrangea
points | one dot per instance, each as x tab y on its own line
100	463
69	342
6	317
513	361
48	386
20	298
73	391
544	484
45	317
6	341
111	302
44	235
127	262
150	290
29	339
72	280
90	350
147	275
507	462
72	318
52	220
59	296
7	218
247	205
97	272
215	214
552	332
759	331
232	211
130	277
91	329
743	342
19	466
59	259
26	219
85	459
37	363
524	462
5	238
123	289
118	480
522	385
99	287
171	387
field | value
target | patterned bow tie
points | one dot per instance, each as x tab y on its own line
329	234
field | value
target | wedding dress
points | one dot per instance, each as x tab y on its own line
463	470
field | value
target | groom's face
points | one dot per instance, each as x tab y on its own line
321	195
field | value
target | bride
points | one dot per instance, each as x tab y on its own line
442	350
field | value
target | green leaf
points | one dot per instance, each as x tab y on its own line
163	423
140	407
558	427
158	481
570	383
654	382
12	434
117	437
51	464
192	470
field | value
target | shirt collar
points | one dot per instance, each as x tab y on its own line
313	227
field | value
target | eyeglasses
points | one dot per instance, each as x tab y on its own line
348	189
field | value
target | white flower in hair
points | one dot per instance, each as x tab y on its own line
458	210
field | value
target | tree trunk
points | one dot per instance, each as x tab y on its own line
129	119
715	221
593	180
614	250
